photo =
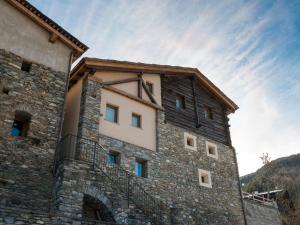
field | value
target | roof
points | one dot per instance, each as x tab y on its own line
38	17
125	66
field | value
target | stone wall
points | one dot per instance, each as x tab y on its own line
261	214
18	216
75	179
173	169
26	162
173	176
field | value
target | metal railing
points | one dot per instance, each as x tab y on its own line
256	197
73	147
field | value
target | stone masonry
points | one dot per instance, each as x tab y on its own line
258	213
172	171
26	162
30	194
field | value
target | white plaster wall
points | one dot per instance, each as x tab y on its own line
144	136
21	36
72	109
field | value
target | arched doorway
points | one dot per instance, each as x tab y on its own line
94	209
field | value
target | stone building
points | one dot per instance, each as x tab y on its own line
35	57
150	142
141	143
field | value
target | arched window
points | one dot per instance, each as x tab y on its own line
21	124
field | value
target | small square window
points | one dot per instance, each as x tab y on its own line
114	158
208	113
204	178
212	150
190	141
180	101
26	66
111	113
141	168
149	87
136	120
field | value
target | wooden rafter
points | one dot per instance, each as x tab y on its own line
198	124
148	92
45	22
121	81
140	86
118	91
53	37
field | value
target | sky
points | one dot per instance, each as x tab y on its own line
249	49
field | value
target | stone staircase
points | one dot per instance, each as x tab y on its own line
123	188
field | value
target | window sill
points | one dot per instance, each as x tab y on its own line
212	156
139	128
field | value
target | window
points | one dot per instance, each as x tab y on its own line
180	101
204	178
212	150
141	168
114	158
149	86
111	113
26	66
190	141
208	114
136	120
21	124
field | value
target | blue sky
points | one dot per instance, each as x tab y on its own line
250	49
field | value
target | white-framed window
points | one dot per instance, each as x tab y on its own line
204	178
211	149
190	141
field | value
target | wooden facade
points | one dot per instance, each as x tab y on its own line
192	117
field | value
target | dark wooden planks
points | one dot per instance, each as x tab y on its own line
192	117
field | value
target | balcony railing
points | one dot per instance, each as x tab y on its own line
73	147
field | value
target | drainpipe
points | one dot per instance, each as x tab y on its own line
61	121
239	186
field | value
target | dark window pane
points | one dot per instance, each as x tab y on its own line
180	102
208	114
111	113
16	129
21	124
138	169
136	120
112	158
141	168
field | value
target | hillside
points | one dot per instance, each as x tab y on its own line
282	173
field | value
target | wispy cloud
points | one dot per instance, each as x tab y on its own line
250	49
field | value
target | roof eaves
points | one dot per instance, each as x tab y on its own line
26	6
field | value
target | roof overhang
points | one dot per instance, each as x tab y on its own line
55	31
93	64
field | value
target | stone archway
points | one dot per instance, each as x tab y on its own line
94	209
103	203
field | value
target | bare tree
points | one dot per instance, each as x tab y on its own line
265	158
